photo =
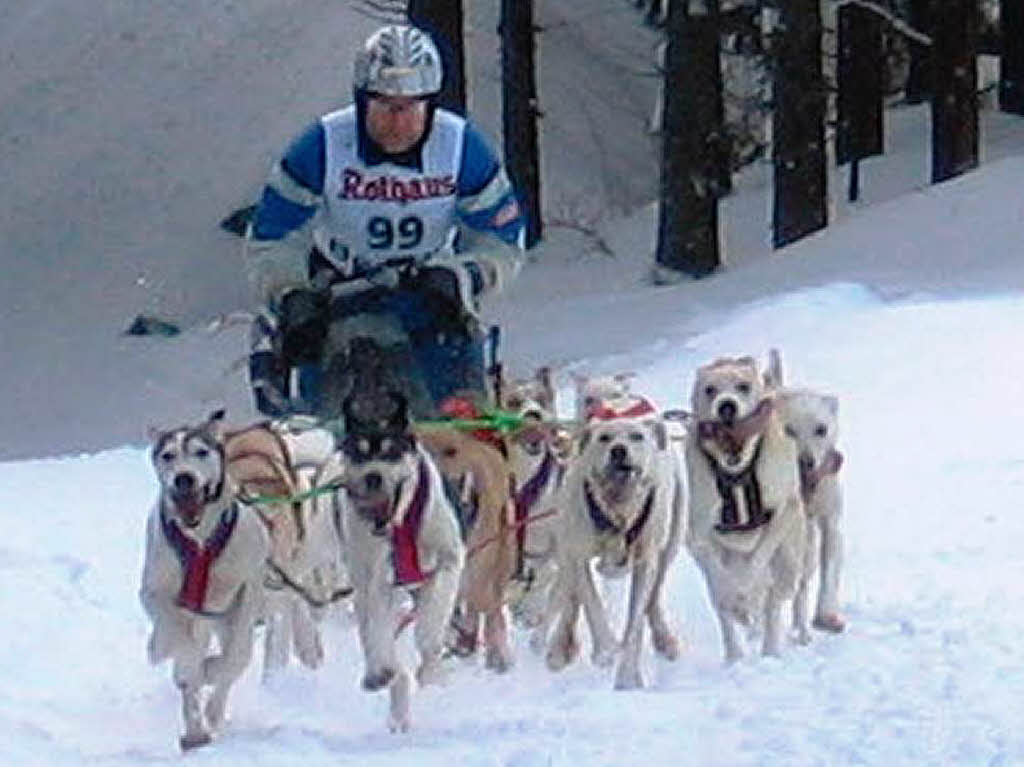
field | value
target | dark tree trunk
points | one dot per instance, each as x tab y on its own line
861	81
694	146
1011	71
954	89
443	20
919	78
519	109
800	178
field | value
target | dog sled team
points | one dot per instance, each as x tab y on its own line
429	528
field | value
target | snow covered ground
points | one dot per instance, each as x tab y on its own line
908	308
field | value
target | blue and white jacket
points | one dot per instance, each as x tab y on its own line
363	208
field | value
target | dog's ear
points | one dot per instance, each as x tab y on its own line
833	404
548	390
584	438
398	418
773	373
215	424
154	434
660	432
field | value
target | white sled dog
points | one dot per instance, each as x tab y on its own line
622	503
747	523
203	573
536	456
811	420
400	534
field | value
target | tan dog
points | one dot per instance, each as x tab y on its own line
482	474
811	420
747	517
401	535
203	574
270	461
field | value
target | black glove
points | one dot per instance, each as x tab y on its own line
440	287
303	325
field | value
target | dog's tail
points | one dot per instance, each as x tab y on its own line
773	378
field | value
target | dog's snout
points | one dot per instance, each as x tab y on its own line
184	483
727	411
806	461
618	454
373	481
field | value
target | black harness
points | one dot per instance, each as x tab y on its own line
742	508
605	525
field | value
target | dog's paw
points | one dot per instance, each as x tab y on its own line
562	652
802	635
499	659
194	740
666	645
603	657
378	680
432	671
628	677
312	654
831	622
399	724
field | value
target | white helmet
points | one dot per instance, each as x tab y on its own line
398	61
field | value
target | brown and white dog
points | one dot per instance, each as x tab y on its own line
624	502
747	530
400	534
203	573
482	476
277	466
811	420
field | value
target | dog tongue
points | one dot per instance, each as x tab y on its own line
189	508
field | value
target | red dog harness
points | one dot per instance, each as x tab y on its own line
197	559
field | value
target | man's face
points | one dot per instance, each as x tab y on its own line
395	123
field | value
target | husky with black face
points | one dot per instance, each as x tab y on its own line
401	534
203	573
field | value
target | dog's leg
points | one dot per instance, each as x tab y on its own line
772	641
466	630
306	633
436	603
827	616
399	717
564	647
605	646
665	642
628	676
188	678
801	602
499	653
375	617
236	639
277	634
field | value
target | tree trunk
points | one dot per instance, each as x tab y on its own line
694	145
1011	69
954	89
861	82
519	109
919	77
443	20
800	177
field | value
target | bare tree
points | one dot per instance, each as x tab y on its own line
800	172
519	109
1011	72
694	148
443	20
954	90
919	76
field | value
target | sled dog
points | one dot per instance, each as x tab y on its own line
536	456
275	465
747	523
811	420
623	505
400	533
481	475
203	573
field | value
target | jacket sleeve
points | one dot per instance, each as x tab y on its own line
488	205
279	237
